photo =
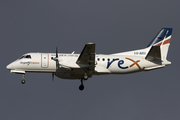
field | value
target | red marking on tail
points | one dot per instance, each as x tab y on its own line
167	41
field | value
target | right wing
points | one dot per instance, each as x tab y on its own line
87	56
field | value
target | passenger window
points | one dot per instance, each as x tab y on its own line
103	59
98	59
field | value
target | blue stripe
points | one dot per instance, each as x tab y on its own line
161	35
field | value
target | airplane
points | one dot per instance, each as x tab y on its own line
88	63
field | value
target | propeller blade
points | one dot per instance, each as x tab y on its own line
57	61
57	64
56	52
52	77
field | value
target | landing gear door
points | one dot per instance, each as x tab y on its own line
44	60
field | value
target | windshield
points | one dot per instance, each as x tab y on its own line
28	56
21	57
25	56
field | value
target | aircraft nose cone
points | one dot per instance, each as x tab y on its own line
9	67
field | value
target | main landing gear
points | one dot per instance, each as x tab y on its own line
81	87
23	79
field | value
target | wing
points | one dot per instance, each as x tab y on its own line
87	56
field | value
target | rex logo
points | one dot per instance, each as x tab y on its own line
121	62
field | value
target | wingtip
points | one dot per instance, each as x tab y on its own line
90	43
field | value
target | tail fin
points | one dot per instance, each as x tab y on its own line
160	45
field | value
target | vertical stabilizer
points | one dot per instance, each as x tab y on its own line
160	45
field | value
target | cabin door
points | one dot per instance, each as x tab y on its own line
44	60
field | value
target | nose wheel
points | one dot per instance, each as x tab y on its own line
23	81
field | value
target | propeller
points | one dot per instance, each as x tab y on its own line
57	63
56	59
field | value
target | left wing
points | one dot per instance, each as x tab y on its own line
87	57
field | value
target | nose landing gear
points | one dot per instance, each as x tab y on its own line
23	81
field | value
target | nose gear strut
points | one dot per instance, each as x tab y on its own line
23	79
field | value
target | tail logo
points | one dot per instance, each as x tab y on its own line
163	37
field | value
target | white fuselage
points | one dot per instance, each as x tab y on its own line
69	69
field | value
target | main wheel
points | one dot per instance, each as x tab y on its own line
81	87
23	81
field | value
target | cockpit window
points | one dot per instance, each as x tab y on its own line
28	56
25	56
21	57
